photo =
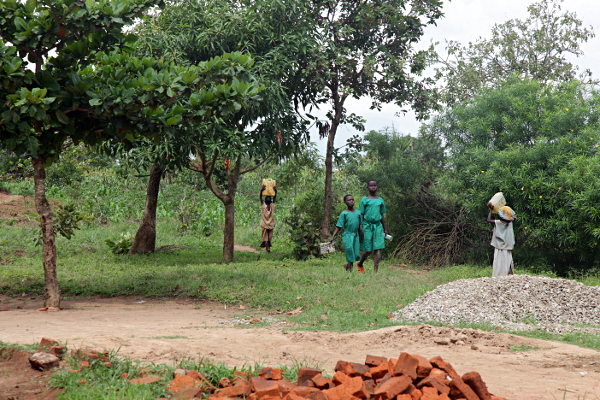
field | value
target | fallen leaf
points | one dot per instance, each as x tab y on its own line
295	312
242	307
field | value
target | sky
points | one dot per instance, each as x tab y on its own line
466	21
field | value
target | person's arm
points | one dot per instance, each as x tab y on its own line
361	233
261	190
490	219
334	233
385	232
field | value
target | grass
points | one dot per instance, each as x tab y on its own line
329	298
100	382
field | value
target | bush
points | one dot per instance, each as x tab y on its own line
122	244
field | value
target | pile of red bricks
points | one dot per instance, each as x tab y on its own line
409	377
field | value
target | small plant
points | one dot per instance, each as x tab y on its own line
122	244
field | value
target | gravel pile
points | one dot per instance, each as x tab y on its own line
517	302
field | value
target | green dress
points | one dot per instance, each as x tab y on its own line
350	221
372	211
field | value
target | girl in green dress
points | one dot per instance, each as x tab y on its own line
372	209
351	222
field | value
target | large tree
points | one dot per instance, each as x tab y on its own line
278	36
365	49
538	47
82	85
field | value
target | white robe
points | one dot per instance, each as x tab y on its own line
503	241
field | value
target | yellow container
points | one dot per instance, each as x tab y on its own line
269	185
497	201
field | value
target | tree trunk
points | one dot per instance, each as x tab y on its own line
145	238
229	230
338	109
52	291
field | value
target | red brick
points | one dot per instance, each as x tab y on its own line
285	387
473	379
385	378
339	378
293	396
392	387
370	386
403	397
498	398
146	380
424	367
438	373
436	383
186	393
310	393
200	377
269	373
225	382
215	397
438	362
182	381
392	364
380	370
270	397
235	391
406	365
320	382
306	374
429	393
460	389
264	388
58	351
46	343
414	393
373	361
353	369
338	393
243	374
89	355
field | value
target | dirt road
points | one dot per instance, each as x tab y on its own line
158	331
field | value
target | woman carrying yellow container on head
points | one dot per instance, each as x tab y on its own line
503	238
267	223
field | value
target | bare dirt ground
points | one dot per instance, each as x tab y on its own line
161	330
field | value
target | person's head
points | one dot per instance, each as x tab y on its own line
372	185
349	200
268	200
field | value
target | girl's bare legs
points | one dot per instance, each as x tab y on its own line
363	258
376	258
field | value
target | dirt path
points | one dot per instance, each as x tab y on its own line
158	331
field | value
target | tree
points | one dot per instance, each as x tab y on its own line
365	48
536	48
539	145
276	33
84	86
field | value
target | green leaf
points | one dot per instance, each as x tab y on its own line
62	118
172	121
95	102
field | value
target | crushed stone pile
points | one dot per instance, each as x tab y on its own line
517	303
